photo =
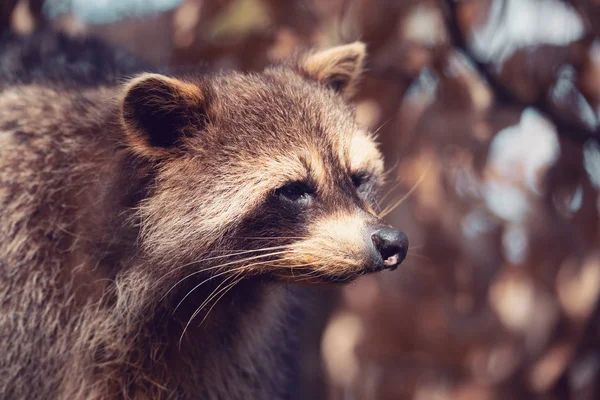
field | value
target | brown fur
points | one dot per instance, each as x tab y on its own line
104	232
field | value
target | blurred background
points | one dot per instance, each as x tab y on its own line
488	112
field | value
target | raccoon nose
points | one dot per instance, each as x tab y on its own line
391	244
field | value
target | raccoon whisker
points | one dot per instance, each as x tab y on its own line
294	267
269	237
239	270
227	271
226	252
234	254
316	272
224	291
389	170
217	267
391	208
217	290
231	253
381	127
223	265
305	276
216	258
240	273
331	260
241	277
390	191
243	260
385	178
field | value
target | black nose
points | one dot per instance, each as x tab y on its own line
391	244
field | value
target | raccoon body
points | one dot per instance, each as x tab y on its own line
153	226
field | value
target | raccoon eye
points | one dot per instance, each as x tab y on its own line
359	179
296	192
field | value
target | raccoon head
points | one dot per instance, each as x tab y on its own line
264	173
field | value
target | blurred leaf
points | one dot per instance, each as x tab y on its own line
241	18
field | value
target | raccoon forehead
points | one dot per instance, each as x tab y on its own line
278	158
272	119
276	102
269	171
319	163
278	128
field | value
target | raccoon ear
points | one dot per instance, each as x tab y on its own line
158	112
339	67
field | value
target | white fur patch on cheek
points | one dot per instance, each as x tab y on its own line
181	221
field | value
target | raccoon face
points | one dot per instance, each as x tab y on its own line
268	173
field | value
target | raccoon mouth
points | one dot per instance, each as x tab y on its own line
391	264
340	279
351	276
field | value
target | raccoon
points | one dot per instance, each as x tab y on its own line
155	227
